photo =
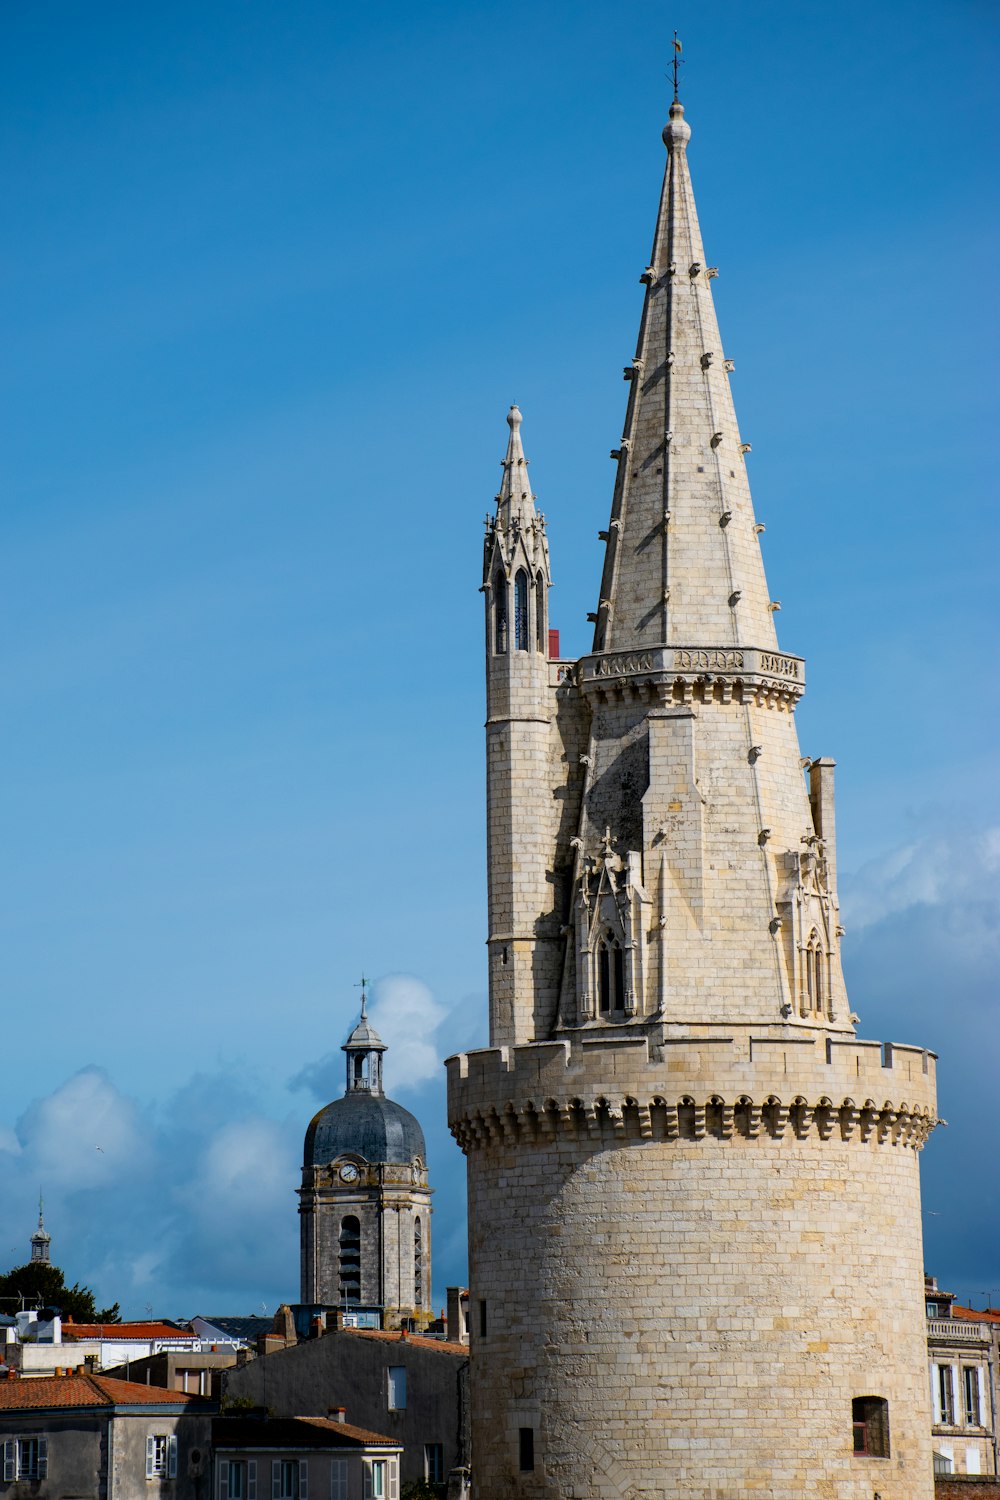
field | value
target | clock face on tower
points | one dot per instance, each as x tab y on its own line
348	1172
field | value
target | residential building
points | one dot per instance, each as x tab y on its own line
412	1389
694	1200
961	1348
45	1342
85	1435
365	1201
290	1458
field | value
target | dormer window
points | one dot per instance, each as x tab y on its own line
521	611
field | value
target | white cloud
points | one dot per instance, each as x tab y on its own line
408	1017
956	870
83	1134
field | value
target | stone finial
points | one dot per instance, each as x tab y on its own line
677	131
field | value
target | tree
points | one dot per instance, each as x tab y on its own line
39	1284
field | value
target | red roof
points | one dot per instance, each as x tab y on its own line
145	1332
419	1339
44	1391
988	1315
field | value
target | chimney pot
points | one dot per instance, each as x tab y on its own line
338	1413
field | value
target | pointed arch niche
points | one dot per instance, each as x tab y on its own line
541	632
520	610
499	613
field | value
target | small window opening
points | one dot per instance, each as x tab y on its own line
870	1418
499	614
350	1259
526	1449
946	1395
418	1264
482	1319
521	611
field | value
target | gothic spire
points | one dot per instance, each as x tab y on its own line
515	502
683	564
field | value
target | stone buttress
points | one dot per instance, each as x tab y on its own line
695	1249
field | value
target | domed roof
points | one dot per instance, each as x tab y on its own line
364	1124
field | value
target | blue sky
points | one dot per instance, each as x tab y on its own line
273	275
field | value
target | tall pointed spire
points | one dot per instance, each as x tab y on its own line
41	1241
683	564
515	502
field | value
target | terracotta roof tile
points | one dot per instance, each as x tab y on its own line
419	1339
290	1432
988	1315
42	1392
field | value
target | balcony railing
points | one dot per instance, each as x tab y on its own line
958	1330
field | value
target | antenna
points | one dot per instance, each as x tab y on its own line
362	985
677	61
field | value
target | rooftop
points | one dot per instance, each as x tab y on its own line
45	1392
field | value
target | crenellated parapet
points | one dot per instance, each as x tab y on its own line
693	1088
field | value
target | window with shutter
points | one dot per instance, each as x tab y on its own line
251	1479
393	1479
224	1491
150	1457
172	1458
9	1469
276	1479
338	1479
303	1478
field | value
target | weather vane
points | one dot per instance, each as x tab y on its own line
676	64
362	985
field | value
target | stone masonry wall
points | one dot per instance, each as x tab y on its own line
689	1290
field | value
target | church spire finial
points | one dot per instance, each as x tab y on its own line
40	1240
677	61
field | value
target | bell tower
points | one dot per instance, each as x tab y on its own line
694	1204
365	1200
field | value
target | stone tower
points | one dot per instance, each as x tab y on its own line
365	1203
694	1205
41	1240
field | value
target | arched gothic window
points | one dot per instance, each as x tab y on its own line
815	997
540	641
521	611
418	1264
499	614
610	975
350	1259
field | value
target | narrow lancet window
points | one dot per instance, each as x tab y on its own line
521	611
499	614
610	975
540	641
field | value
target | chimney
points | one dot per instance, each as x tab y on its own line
337	1413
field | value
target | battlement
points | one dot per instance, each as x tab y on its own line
745	1084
